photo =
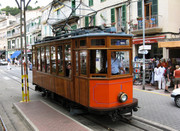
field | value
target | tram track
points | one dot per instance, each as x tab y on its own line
3	126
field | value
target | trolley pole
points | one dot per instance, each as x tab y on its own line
23	8
143	45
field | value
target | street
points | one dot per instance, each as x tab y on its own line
156	107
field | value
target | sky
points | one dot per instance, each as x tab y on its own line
12	3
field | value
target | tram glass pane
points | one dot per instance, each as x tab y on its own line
98	60
53	58
60	59
120	62
47	59
77	65
42	59
82	42
38	59
97	42
67	59
119	42
34	58
83	62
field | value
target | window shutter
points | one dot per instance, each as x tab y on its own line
139	8
73	4
86	21
90	2
94	20
113	15
154	7
124	15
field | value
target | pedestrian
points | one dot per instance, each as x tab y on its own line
168	76
9	66
156	76
162	82
177	77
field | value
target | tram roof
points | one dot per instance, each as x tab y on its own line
85	35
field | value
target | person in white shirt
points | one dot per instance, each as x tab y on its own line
161	78
156	75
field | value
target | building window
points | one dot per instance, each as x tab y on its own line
90	2
112	15
73	4
86	21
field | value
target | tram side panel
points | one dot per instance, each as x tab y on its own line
82	91
104	94
64	87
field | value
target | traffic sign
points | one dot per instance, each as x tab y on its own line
143	52
145	47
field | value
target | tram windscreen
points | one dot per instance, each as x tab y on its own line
120	62
98	59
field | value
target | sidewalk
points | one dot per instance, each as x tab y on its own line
148	87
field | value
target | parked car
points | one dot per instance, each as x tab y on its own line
3	62
176	96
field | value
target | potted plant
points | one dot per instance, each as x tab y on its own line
139	18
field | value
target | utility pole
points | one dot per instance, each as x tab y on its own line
143	45
23	7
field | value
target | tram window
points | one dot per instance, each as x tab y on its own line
83	62
42	59
120	62
53	59
82	42
119	42
34	58
67	59
98	42
77	65
76	44
98	59
60	59
47	59
38	59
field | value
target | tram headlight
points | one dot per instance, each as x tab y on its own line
122	97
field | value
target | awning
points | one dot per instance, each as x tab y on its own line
15	54
148	39
2	52
169	44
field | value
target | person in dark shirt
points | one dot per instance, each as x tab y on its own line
168	75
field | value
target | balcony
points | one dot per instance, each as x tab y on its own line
151	25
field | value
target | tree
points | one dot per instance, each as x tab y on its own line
14	10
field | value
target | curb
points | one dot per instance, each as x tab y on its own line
23	116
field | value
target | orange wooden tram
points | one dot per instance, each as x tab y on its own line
79	69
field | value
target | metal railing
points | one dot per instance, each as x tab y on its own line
150	22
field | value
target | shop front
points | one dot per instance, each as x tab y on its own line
155	52
173	48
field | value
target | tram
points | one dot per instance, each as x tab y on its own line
79	69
